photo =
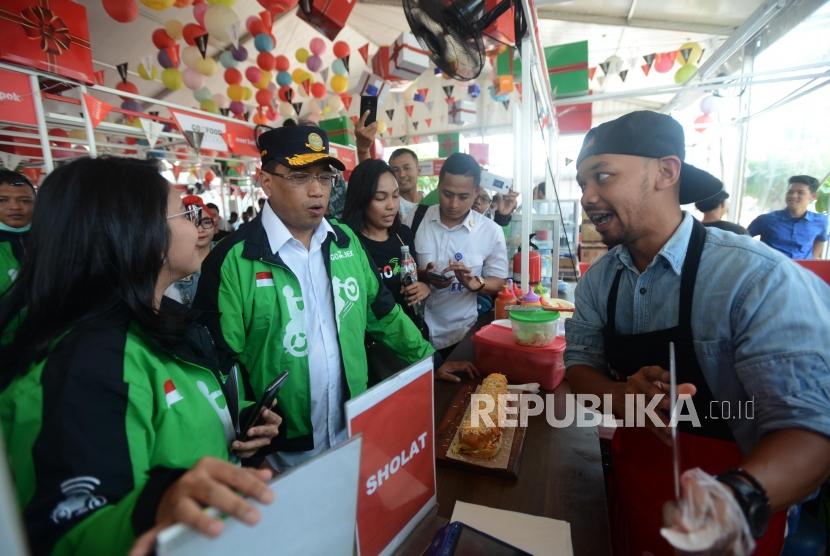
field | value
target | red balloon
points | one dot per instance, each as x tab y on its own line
341	49
265	60
664	62
256	27
282	63
286	93
122	11
702	123
264	97
209	175
191	31
127	87
277	6
233	76
318	90
270	113
161	39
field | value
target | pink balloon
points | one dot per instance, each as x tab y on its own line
237	107
199	13
254	74
317	46
192	79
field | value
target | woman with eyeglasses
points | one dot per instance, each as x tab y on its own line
184	290
17	199
113	406
371	210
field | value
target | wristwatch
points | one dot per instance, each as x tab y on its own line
480	281
751	497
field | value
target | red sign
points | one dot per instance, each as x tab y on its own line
220	135
346	155
397	463
574	118
49	35
16	104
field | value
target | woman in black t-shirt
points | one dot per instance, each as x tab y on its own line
371	210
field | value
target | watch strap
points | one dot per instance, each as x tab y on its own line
751	497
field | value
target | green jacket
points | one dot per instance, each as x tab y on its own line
247	284
11	254
99	429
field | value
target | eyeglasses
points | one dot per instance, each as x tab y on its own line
303	179
193	214
205	223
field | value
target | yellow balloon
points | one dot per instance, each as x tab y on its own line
339	83
209	106
148	75
692	50
158	4
135	122
302	55
264	80
248	93
172	78
381	126
236	92
77	134
174	29
206	66
226	3
299	75
191	56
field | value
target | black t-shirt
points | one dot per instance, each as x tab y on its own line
728	226
387	258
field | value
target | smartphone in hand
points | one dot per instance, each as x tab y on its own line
264	402
369	103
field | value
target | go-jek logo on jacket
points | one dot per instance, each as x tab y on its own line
347	254
79	498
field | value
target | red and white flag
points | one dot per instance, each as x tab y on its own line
170	393
264	279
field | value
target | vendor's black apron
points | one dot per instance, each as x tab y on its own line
641	479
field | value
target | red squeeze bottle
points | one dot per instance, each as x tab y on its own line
504	299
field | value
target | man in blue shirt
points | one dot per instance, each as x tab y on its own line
748	327
795	231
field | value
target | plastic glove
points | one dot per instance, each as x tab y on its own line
707	519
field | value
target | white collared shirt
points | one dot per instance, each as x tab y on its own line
325	376
407	208
450	312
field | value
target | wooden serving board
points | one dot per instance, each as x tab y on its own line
446	431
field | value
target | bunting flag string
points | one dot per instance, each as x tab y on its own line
347	101
428	122
391	114
364	52
409	109
415	126
122	71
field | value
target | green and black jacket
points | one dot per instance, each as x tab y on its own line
99	429
260	306
11	255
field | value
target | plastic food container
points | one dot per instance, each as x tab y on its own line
533	326
496	351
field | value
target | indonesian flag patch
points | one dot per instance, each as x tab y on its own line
170	393
264	279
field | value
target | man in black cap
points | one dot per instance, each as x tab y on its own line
296	292
714	209
748	329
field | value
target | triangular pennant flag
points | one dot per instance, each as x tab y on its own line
355	119
591	72
347	101
646	68
685	53
601	80
506	104
230	140
415	126
298	107
325	74
409	109
307	87
448	90
345	60
428	121
623	74
604	67
122	70
247	115
364	52
649	60
194	138
224	111
99	77
153	112
391	114
152	130
149	62
389	130
568	160
97	109
201	44
702	50
423	92
289	94
233	31
10	161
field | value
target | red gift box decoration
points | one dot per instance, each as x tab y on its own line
503	29
48	35
328	16
380	62
574	118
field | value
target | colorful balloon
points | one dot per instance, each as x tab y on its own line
339	83
209	106
686	72
693	51
283	78
338	67
282	63
206	66
317	46
161	39
264	97
227	60
131	105
381	126
220	99
664	61
233	76
158	4
264	80
253	74
263	42
286	94
202	94
127	87
199	11
265	61
334	103
318	90
314	63
255	26
218	20
174	28
237	107
172	79
247	94
191	31
702	123
260	118
239	54
709	104
191	56
122	11
225	3
236	92
192	79
341	49
164	59
302	55
299	75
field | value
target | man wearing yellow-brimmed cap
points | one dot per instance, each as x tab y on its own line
296	293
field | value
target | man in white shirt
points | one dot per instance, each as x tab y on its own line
463	246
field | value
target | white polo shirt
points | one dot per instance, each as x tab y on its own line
478	242
325	376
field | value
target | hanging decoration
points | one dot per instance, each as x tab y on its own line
122	11
364	52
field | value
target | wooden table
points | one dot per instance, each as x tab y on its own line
560	477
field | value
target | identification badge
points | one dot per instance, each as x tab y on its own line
456	287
